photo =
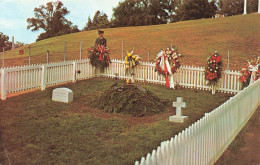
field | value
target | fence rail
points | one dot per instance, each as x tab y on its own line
204	141
17	79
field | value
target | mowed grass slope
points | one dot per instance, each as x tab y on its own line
194	39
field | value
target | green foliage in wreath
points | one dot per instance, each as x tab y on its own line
99	57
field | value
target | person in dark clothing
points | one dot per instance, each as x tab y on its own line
101	41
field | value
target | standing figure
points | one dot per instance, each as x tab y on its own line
101	41
99	54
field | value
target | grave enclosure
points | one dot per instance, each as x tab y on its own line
25	78
208	137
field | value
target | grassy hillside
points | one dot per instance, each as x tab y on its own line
195	39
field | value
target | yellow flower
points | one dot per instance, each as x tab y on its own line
126	62
136	59
133	56
127	81
127	66
129	54
126	58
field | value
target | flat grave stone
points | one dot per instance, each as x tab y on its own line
64	95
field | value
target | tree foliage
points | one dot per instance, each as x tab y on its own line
234	7
152	12
142	12
4	42
99	21
189	10
51	19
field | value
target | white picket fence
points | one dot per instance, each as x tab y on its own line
201	144
187	76
23	78
204	141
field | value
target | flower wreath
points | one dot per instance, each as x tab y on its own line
131	61
99	57
213	68
252	68
167	62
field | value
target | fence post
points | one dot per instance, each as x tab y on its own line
74	72
122	50
65	49
3	58
29	55
47	56
3	84
80	49
44	77
148	55
171	81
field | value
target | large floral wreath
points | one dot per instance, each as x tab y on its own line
167	62
99	57
213	68
250	71
131	61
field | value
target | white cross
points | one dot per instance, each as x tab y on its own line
178	117
179	104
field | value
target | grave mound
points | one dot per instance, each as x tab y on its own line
131	100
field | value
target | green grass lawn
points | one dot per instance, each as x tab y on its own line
37	130
195	39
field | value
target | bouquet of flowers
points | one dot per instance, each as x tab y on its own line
131	61
167	62
252	68
99	57
213	68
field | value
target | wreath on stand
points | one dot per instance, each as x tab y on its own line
213	69
99	57
167	63
252	68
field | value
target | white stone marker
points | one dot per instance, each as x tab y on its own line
62	95
178	117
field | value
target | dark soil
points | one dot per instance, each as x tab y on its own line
129	99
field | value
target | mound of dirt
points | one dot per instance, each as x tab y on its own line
131	100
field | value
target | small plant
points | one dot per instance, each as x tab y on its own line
177	86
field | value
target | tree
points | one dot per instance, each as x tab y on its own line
100	20
89	25
234	7
231	7
189	10
51	19
18	44
4	42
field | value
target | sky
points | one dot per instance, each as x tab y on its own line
14	13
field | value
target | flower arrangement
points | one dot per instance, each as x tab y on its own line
167	62
252	68
99	57
213	69
131	61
